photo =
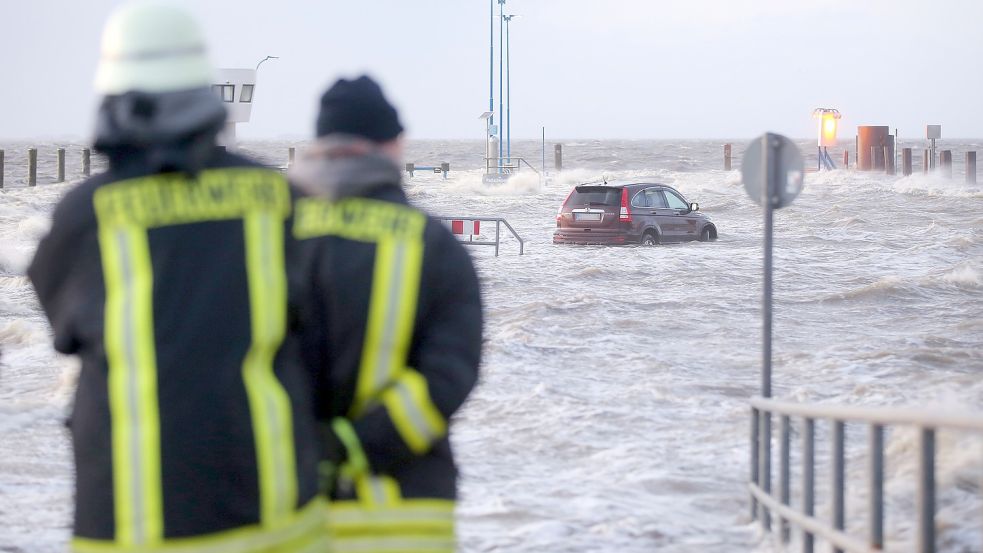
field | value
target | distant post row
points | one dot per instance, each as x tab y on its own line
882	159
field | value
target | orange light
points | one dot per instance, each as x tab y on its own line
829	122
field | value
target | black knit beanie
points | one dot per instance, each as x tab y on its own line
359	108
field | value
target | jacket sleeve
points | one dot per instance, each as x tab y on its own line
54	272
413	412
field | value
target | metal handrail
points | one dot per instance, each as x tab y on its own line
499	221
499	165
877	418
873	415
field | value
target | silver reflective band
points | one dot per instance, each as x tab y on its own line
175	53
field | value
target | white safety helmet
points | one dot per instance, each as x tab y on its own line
151	47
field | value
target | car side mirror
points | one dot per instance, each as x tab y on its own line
694	206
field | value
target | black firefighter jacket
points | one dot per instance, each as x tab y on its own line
403	320
192	415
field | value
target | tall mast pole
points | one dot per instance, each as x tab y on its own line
491	67
501	99
508	89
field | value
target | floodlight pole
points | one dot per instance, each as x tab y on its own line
491	66
508	90
501	74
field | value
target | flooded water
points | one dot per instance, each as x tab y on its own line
612	412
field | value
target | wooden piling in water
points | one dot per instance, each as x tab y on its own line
32	166
1	168
906	161
291	151
846	159
727	157
86	162
925	161
888	161
61	165
970	167
558	157
945	160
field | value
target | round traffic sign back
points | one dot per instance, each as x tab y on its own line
772	163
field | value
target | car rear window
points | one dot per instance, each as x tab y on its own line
595	195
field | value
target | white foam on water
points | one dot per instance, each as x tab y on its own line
612	409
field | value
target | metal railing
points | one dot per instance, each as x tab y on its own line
498	232
877	419
510	165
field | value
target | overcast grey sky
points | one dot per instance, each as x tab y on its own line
582	69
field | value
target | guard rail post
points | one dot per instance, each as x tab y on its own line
926	491
498	235
876	453
754	459
784	488
808	480
839	477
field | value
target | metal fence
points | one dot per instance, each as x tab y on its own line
764	502
498	232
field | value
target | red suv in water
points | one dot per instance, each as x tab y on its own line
630	214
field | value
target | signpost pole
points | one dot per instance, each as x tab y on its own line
772	172
768	161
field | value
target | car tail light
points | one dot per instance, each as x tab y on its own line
625	212
559	212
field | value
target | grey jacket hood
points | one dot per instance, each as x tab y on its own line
341	166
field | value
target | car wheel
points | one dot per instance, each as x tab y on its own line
650	238
706	234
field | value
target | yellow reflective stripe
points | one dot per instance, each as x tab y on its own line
413	412
409	526
374	491
303	531
392	308
173	198
269	403
359	219
408	516
357	463
393	544
132	382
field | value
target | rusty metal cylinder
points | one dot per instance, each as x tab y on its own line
871	141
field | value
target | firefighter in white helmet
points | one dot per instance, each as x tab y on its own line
168	276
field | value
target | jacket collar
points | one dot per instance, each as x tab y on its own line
340	166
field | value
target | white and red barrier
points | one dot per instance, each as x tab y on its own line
466	227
